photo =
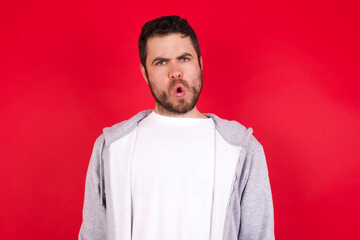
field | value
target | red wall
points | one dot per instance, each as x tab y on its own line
289	70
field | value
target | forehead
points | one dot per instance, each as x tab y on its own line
169	45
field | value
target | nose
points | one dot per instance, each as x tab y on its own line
175	72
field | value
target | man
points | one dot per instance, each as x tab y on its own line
175	173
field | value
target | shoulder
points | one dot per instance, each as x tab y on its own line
117	131
234	132
254	145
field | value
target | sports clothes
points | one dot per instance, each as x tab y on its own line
240	174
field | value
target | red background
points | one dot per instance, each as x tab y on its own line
289	70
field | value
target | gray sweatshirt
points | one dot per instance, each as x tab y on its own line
246	215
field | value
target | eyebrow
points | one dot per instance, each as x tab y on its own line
158	59
186	54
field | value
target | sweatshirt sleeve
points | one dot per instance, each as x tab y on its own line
93	224
257	216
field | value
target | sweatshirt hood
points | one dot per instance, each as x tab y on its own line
232	131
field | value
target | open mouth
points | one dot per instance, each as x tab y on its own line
179	90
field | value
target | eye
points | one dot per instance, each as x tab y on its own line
185	59
160	63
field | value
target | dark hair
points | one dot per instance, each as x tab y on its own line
164	26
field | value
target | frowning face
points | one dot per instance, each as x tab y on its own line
174	73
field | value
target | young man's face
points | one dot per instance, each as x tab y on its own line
174	74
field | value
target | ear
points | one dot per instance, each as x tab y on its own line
201	63
143	72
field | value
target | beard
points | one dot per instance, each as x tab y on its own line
178	106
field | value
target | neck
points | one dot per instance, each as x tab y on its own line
193	113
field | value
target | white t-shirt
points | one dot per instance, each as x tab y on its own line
172	177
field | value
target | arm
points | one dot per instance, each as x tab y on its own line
257	216
93	225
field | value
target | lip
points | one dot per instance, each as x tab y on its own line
179	94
